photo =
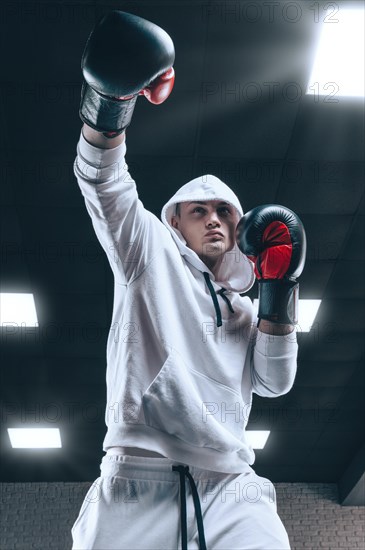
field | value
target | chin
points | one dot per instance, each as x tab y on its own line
214	249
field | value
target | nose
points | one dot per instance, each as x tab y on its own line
213	219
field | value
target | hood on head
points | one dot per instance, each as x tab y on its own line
236	272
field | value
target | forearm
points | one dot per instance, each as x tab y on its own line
128	233
274	364
99	140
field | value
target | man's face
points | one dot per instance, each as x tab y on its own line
208	227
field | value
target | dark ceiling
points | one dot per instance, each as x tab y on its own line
239	111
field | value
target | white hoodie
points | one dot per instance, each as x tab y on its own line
182	359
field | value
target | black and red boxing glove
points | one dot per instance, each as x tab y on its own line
273	237
125	56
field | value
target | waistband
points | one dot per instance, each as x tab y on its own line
158	469
164	469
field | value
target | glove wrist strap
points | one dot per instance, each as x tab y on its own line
105	114
278	301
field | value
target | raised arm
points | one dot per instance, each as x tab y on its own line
125	56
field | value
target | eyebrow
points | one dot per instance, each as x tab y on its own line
205	202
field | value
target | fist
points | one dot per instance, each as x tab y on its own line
125	56
273	237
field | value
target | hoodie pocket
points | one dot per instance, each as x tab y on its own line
193	407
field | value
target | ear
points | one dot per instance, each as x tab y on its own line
174	222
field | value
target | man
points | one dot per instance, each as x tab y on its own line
184	354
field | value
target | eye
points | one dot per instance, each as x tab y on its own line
198	209
224	210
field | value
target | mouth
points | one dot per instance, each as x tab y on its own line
214	234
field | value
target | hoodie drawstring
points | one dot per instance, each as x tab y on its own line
221	293
215	299
184	471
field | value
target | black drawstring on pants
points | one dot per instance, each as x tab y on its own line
184	471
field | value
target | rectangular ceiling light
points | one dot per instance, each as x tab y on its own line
257	438
34	438
307	311
338	68
18	309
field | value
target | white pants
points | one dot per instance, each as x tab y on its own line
135	505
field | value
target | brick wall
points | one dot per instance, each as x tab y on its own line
314	519
40	516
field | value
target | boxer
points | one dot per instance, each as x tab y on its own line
184	353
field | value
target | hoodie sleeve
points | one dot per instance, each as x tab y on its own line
129	234
273	364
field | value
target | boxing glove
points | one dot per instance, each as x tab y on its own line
125	56
273	237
